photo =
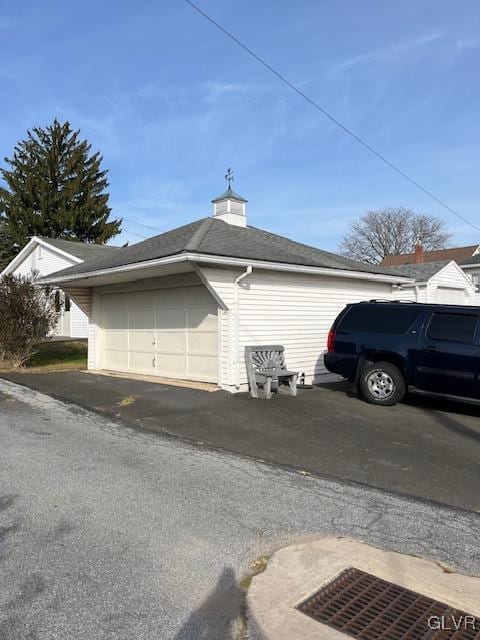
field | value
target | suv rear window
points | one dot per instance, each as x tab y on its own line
456	327
380	318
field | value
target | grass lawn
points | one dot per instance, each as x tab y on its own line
57	356
60	355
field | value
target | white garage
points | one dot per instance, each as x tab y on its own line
435	282
185	303
450	295
169	332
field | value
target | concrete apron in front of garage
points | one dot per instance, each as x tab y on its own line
296	573
421	448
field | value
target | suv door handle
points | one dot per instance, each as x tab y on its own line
432	348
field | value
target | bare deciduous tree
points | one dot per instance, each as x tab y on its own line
391	231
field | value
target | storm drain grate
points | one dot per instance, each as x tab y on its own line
367	607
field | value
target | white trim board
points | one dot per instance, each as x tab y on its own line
229	262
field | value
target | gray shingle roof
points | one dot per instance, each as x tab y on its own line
216	237
420	272
230	193
80	250
473	260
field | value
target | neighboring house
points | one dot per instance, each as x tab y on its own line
471	266
442	282
184	304
467	257
44	256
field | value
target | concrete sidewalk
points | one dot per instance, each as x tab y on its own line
297	572
420	448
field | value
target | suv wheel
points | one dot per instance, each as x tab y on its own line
382	383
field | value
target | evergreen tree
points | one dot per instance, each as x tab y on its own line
54	187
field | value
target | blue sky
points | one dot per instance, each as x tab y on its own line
171	103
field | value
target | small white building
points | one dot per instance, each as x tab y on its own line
442	282
184	304
44	256
468	258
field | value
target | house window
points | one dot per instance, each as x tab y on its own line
67	303
476	281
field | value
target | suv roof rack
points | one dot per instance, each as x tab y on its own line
382	300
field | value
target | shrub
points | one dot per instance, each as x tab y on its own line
27	315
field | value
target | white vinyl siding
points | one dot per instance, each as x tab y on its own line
283	308
78	322
474	274
221	281
451	286
44	261
409	293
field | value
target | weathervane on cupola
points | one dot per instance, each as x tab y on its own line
229	176
230	207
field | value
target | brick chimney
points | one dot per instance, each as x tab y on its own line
418	253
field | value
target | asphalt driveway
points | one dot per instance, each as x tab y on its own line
112	533
421	448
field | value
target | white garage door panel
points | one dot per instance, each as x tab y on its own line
202	343
141	341
167	332
167	298
138	299
115	360
201	366
170	319
114	301
141	361
115	319
445	295
173	365
171	341
202	319
115	340
141	319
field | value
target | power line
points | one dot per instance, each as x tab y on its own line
328	115
147	226
135	234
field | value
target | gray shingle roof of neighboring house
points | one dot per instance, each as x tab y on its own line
473	260
218	238
82	250
420	272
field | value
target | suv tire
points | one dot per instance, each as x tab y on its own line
382	383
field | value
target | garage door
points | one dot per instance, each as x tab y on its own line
165	332
446	295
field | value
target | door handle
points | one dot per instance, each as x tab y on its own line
432	348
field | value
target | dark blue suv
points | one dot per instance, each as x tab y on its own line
387	348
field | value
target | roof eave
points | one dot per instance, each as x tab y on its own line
230	262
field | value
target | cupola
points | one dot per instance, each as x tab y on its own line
230	207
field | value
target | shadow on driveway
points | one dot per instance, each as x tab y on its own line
421	447
219	613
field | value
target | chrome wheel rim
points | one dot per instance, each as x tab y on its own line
380	384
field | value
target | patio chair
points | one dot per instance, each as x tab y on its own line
266	370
